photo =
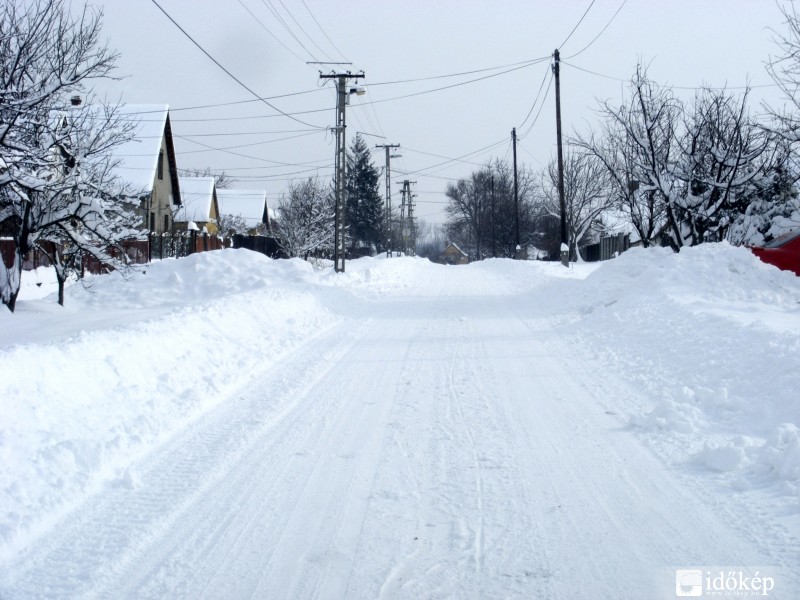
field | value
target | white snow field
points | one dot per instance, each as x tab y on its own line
226	426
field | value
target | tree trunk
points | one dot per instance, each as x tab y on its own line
11	279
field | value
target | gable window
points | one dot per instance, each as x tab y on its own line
160	165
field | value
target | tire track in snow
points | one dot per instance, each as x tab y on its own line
128	524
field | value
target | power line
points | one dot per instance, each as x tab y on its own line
520	64
231	75
677	87
577	24
322	30
318	89
226	151
526	151
440	156
229	133
186	138
285	25
536	118
265	28
233	103
447	87
535	100
363	104
289	12
457	159
624	2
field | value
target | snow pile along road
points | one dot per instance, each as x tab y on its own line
711	339
131	362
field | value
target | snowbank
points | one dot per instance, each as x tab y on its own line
129	363
710	338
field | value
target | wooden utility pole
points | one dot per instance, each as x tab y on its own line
561	201
494	220
340	183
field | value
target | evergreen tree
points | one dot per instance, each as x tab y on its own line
364	210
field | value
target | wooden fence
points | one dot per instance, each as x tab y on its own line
156	246
606	248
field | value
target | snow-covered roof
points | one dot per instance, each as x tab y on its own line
139	156
454	245
249	204
197	195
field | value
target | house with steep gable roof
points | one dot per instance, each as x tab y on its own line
251	205
199	204
146	163
453	255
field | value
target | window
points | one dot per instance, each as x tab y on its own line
152	221
161	165
166	223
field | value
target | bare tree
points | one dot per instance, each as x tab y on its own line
431	239
222	180
785	72
483	216
721	155
230	225
56	180
586	195
469	208
644	208
306	220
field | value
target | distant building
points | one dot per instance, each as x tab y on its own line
453	255
251	205
199	204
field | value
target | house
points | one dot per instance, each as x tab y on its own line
198	204
453	255
250	205
146	163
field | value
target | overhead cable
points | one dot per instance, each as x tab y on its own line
601	32
577	24
231	75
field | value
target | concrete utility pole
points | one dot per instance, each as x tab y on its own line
340	184
412	225
561	201
516	190
407	226
388	216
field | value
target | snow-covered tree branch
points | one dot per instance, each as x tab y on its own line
57	187
306	219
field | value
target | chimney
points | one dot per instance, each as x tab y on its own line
75	100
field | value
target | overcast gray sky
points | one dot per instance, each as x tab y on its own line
266	44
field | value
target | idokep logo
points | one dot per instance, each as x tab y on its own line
689	583
715	582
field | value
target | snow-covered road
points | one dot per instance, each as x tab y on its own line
441	440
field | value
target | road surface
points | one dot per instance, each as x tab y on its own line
441	441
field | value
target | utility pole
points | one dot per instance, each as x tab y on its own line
407	227
388	216
411	223
403	196
516	190
561	201
340	184
494	219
